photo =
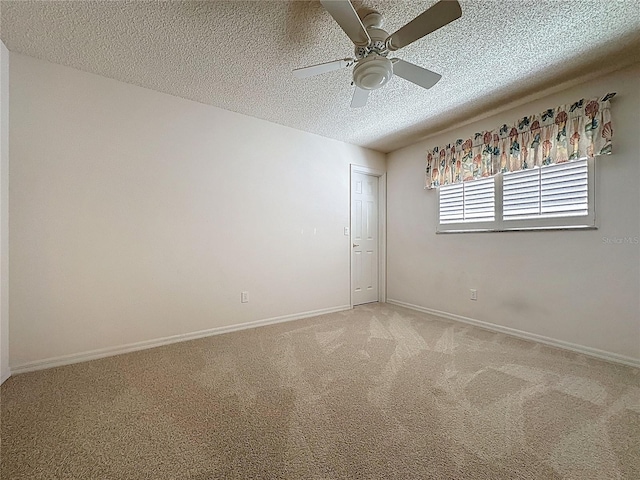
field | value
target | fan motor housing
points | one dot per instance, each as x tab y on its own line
372	72
372	23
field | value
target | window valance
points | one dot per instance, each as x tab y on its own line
557	135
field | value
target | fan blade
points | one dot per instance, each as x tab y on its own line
441	14
360	97
323	68
343	12
415	74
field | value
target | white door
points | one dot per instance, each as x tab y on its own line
364	238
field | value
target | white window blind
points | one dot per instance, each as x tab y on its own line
479	200
560	190
468	202
564	190
452	203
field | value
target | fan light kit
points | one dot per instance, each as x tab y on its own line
372	68
372	72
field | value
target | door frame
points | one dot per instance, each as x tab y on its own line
382	229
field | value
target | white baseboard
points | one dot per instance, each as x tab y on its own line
592	352
132	347
4	376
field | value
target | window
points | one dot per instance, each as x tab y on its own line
554	196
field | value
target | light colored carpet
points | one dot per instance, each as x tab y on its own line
379	392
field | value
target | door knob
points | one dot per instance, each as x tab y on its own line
356	245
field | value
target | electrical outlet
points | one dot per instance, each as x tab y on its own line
244	297
346	231
474	294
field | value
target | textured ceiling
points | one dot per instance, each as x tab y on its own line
239	56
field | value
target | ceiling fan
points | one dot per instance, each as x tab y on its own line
372	68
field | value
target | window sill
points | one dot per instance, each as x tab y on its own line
517	229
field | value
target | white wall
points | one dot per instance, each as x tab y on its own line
4	213
570	286
137	215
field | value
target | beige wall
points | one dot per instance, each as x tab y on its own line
137	215
4	213
571	286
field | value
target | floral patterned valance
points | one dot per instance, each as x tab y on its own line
562	134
